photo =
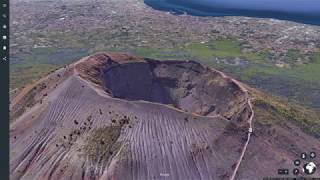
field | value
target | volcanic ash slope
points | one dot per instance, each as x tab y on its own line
114	116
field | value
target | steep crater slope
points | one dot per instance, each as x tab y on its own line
186	85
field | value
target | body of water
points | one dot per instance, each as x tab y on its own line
303	11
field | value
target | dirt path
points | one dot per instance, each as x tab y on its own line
250	130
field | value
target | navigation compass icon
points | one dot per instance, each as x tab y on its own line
309	168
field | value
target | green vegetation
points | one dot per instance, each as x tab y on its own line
262	70
204	52
222	49
293	55
148	52
102	142
308	72
270	110
27	73
26	67
302	73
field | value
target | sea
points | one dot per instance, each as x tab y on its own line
302	11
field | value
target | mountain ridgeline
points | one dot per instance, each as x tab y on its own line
116	116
